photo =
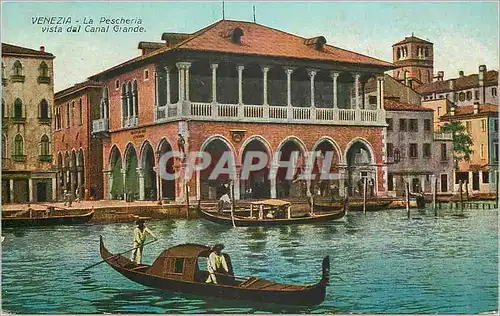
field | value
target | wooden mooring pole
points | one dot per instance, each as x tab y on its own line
434	189
497	174
461	197
407	190
186	188
364	196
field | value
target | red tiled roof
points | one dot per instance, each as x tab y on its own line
394	105
260	40
461	83
468	110
77	87
412	39
13	50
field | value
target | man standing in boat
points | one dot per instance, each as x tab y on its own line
216	264
140	234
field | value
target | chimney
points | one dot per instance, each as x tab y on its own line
452	84
42	48
440	76
476	107
461	73
482	94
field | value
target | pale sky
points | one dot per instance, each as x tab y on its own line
465	34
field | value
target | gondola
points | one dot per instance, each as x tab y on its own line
46	220
177	270
279	217
354	205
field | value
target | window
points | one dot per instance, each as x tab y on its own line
390	182
439	110
67	115
402	125
495	152
468	126
413	125
117	84
486	177
413	151
427	125
469	95
476	94
44	110
481	151
80	111
461	176
146	74
483	125
389	124
461	96
4	112
494	92
429	77
18	109
390	150
372	100
4	146
426	150
18	146
43	70
495	125
179	265
45	146
73	113
444	154
18	68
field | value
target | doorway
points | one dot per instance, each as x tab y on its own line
475	180
41	191
444	183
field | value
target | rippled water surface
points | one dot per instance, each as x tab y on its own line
380	263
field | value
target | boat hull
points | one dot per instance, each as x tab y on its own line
310	296
46	221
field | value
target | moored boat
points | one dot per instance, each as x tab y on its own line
273	212
45	219
177	270
371	205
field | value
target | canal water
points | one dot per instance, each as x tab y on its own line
381	262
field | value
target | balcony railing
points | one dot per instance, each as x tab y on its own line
443	136
17	78
45	158
270	114
100	125
18	158
42	79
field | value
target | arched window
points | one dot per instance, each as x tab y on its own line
461	96
44	109
136	98
45	146
80	111
67	115
18	109
18	68
124	103
429	78
43	70
18	146
426	52
419	75
130	100
4	146
72	113
469	95
398	53
494	92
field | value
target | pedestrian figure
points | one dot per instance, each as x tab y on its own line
180	144
216	264
371	185
77	194
141	233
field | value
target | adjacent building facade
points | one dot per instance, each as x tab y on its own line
78	155
481	122
27	146
236	87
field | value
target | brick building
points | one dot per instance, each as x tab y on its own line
27	100
481	122
78	154
414	59
233	87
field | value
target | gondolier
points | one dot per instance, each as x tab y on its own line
140	234
216	263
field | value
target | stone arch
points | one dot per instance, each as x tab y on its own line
131	174
255	184
326	186
286	186
115	179
216	146
167	187
360	159
147	180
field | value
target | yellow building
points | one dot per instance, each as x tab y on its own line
440	107
27	100
481	122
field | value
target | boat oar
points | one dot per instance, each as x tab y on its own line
116	255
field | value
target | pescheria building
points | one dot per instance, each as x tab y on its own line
236	87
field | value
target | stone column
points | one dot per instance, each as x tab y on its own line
74	179
342	175
167	86
11	184
187	66
157	88
124	175
134	94
265	70
289	72
79	170
109	175
240	83
356	91
158	183
140	174
237	183
334	76
214	82
312	74
127	98
30	190
380	101
273	188
54	188
180	67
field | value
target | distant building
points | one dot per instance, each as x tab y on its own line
481	122
27	100
414	58
79	155
464	90
440	108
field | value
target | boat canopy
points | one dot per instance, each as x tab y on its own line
272	202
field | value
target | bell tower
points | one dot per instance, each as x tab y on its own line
414	58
